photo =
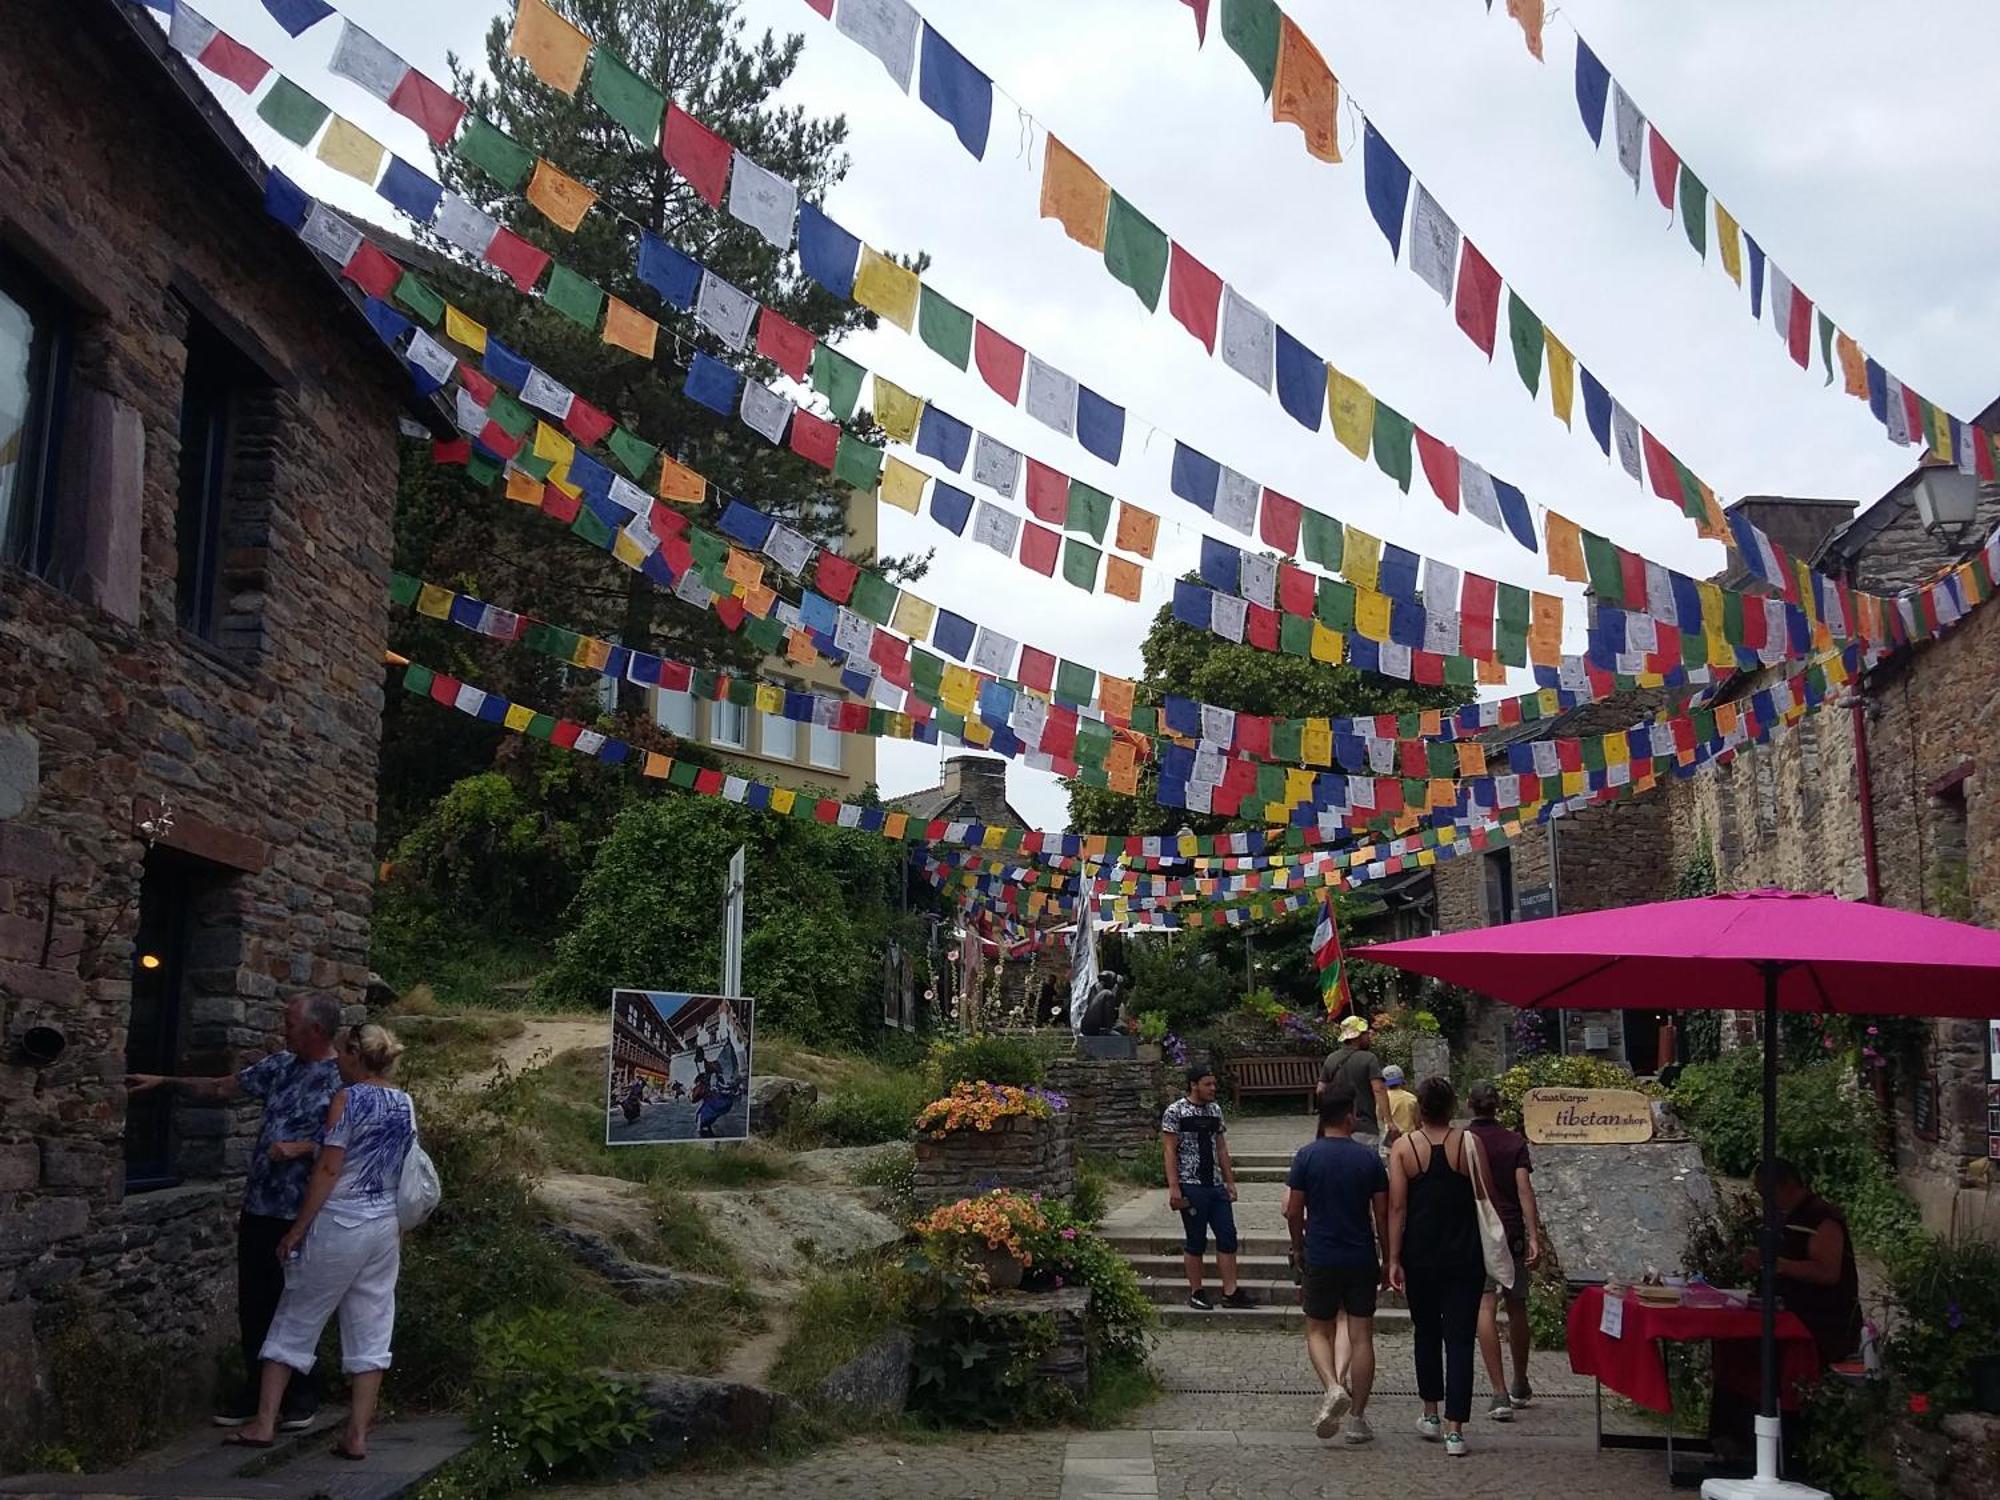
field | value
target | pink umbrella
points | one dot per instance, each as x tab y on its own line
1768	950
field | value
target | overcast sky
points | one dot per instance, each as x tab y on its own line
1849	138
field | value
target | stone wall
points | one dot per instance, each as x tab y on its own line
263	746
1114	1104
1019	1153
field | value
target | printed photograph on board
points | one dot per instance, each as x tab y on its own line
679	1068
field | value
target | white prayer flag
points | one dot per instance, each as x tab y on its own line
996	466
459	223
1218	726
1236	500
1258	579
1051	397
995	528
545	394
789	550
1226	617
887	28
724	310
1433	243
1630	127
764	411
359	57
763	200
1625	437
331	235
1248	338
993	652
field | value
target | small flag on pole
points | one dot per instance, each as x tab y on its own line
1328	960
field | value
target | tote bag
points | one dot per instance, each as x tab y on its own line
1492	1233
419	1190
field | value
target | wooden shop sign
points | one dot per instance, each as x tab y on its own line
1587	1117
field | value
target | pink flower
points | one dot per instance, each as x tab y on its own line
1069	1234
1920	1404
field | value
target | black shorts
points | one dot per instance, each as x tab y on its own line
1331	1290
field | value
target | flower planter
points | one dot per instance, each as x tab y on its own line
1020	1152
1149	1052
1002	1270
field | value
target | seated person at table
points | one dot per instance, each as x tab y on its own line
1816	1280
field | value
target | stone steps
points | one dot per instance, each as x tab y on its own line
1165	1241
1171	1291
1264	1319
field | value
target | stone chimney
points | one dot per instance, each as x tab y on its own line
976	785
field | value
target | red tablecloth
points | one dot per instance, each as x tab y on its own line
1634	1367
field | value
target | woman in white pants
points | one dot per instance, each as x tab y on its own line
344	1250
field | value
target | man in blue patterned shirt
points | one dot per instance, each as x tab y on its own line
296	1087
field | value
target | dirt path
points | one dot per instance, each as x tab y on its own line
553	1037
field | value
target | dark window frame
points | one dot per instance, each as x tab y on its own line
155	1019
224	376
31	544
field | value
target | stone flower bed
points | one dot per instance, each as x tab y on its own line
982	1136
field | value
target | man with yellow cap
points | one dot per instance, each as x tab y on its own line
1354	1067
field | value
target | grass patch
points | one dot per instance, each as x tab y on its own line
1118	1387
834	1320
443	1046
488	972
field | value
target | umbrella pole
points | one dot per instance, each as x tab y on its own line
1766	1462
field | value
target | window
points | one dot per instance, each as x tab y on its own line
674	712
218	395
729	725
34	363
824	748
777	736
1499	877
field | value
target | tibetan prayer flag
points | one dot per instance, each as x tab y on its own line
634	454
1089	510
1387	184
1564	546
1853	366
296	16
284	199
1530	14
1048	493
495	153
1607	579
785	344
945	328
1353	412
1666	166
1001	362
581	301
435	110
1525	333
943	437
1194	296
882	286
1073	195
1278	522
887	28
674	275
372	270
709	381
1597	410
628	98
1826	345
1039	549
1433	243
1100	425
1248	338
1362	561
1440	461
1729	243
1301	381
554	49
897	411
1392	444
291	111
1135	251
1660	468
1562	375
857	463
1079	564
1593	84
561	198
350	150
1478	308
951	507
1514	513
1694	212
837	378
463	331
1251	28
700	155
1324	541
1306	94
1798	335
405	187
1545	630
419	299
827	253
956	91
680	485
1138	530
522	261
1122	578
1629	129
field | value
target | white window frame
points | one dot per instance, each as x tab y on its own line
824	750
786	734
665	700
722	711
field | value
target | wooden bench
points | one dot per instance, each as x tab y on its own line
1274	1075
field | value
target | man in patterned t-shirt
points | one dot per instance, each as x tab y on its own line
1201	1186
296	1087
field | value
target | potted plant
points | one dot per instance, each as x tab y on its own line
989	1234
1152	1034
987	1106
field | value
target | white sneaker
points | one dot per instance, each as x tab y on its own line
1430	1429
1358	1432
1332	1408
1454	1445
1502	1410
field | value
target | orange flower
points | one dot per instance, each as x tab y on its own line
980	1106
997	1220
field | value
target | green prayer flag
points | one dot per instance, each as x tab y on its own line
1135	251
1089	510
1392	443
490	149
837	378
1079	564
704	685
533	464
709	549
1732	617
1414	792
857	463
481	470
1694	211
1510	606
1251	29
1325	540
1694	648
1093	740
1270	784
805	808
403	589
1074	684
1459	671
1531	709
578	299
1600	561
426	304
1093	776
742	692
1524	332
874	597
1335	604
1288	740
292	112
1441	757
716	576
1593	751
418	679
1704	725
945	327
766	633
926	670
541	727
1693	503
1295	635
626	97
513	418
592	530
634	456
1826	345
951	723
1145	720
682	774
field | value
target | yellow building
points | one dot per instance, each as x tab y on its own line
770	747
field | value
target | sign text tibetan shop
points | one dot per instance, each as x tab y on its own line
1586	1117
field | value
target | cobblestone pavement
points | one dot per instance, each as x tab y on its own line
1232	1422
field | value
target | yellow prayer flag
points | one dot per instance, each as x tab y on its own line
523	488
658	767
561	481
625	327
884	287
346	147
782	799
896	410
957	688
681	484
1564	545
1729	243
913	616
1298	784
627	550
1562	375
770	699
740	567
1853	366
1353	411
1073	195
1575	782
434	601
462	330
1327	645
591	652
554	49
1361	561
1617	749
1305	91
1941	434
902	485
1316	743
553	445
561	198
519	717
976	732
1371	614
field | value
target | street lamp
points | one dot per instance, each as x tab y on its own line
1947	501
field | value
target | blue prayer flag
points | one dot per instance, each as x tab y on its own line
284	199
950	507
1193	604
1406	623
1756	277
1878	391
675	276
588	475
296	16
1514	510
1396	574
1596	409
818	613
505	366
956	91
713	384
943	437
389	325
1301	381
743	523
1195	476
827	253
1183	715
1100	424
1387	183
410	190
1593	81
953	634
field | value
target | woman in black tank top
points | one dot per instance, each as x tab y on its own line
1435	1259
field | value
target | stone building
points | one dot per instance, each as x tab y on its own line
200	465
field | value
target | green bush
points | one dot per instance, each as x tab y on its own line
982	1059
835	1319
1555	1070
1948	1294
1826	1126
537	1393
1067	1252
867	1113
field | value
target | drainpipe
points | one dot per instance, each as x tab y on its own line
1858	717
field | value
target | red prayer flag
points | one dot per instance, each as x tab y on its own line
1440	461
1278	521
1632	569
564	735
729	610
229	58
1660	468
372	270
1415	762
1427	667
675	676
1048	493
1253	735
1913	415
1296	590
1194	296
665	523
1039	548
1200	9
1666	167
824	7
558	506
1569	755
835	577
1059	732
784	343
1000	362
436	110
1260	627
520	260
499	440
708	782
1037	669
458	452
444	689
1478	307
477	382
1475	614
887	650
697	153
1755	623
1799	335
1982	458
814	437
588	424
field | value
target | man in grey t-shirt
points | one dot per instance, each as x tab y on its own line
1352	1066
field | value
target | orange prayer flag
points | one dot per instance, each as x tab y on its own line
1490	670
1122	577
1430	722
1545	629
1306	92
561	198
681	484
1114	697
1530	14
1440	792
1137	529
1471	758
628	328
740	567
553	48
1565	549
760	601
1853	366
1073	195
657	765
523	487
799	648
